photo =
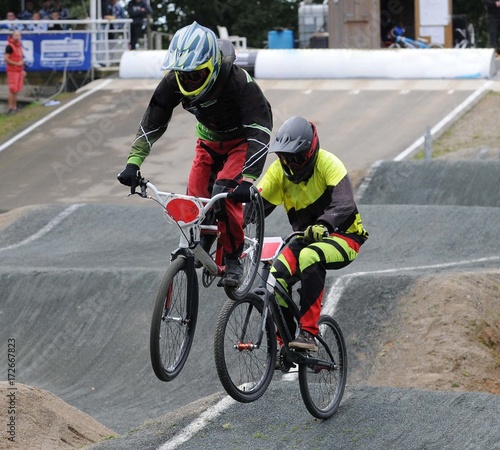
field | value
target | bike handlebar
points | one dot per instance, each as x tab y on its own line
160	196
291	236
144	184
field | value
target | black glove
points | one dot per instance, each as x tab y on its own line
129	176
242	192
316	232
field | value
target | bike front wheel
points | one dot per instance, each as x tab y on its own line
245	369
174	320
321	385
252	247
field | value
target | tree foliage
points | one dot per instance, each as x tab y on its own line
241	17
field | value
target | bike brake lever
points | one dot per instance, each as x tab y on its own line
143	185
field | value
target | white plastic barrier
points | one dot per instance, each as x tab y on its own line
383	63
341	63
142	64
147	63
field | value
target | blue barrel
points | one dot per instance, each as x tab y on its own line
280	39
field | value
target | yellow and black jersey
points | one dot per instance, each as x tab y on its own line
326	197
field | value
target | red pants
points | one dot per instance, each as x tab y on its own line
217	168
15	81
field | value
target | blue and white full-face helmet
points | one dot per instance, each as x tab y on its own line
195	58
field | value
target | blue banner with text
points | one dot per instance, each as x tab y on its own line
68	51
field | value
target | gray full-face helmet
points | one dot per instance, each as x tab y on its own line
296	145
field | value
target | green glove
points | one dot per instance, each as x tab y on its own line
315	232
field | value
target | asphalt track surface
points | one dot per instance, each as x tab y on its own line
80	265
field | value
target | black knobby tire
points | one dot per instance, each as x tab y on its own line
321	388
245	373
174	319
252	247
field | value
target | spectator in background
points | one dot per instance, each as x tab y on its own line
47	8
493	21
10	23
29	9
113	10
138	11
35	25
15	68
55	26
63	12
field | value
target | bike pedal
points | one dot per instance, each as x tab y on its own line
206	278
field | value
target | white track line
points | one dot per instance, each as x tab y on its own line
52	114
50	226
198	424
445	120
341	283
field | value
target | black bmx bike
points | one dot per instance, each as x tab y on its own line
246	352
175	312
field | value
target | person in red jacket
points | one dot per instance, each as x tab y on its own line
15	69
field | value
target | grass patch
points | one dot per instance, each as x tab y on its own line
28	115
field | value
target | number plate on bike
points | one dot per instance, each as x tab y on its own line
271	248
183	211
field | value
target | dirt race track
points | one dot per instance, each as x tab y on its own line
78	276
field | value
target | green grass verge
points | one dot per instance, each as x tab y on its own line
9	123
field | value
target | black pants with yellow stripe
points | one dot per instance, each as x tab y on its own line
308	262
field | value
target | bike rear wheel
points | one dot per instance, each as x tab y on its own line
322	388
244	371
252	247
174	320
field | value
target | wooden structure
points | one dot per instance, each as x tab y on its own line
354	23
358	23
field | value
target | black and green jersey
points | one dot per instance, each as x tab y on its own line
234	108
326	197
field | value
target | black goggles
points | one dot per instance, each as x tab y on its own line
195	79
292	160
